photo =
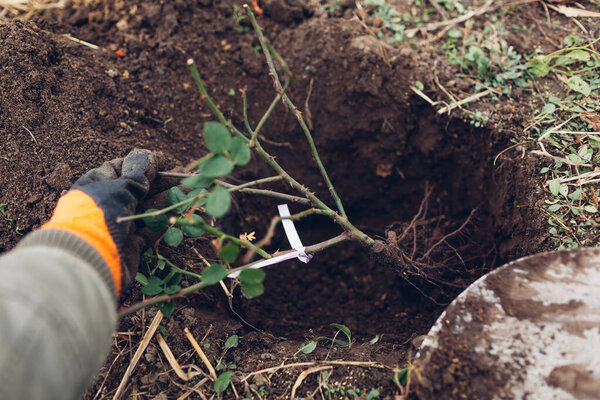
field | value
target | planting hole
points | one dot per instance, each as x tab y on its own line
435	193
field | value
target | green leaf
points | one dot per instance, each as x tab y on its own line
173	237
345	330
308	347
554	187
240	152
402	376
218	202
373	394
152	290
549	108
141	278
252	290
192	230
564	189
222	382
229	253
554	207
453	33
161	264
175	279
374	340
232	341
579	85
555	100
572	40
167	308
173	289
539	67
157	223
252	276
213	274
590	209
176	195
216	166
197	181
579	55
216	137
155	281
419	85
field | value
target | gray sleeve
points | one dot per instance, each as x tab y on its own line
57	315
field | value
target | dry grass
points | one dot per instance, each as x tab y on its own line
26	8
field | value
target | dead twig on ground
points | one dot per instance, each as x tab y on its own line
303	376
199	351
138	354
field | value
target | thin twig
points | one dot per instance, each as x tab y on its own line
82	42
306	106
365	364
203	357
138	353
303	376
196	389
268	50
173	361
466	100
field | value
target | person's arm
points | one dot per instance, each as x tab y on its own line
57	315
59	287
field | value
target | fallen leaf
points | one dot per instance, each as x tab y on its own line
592	119
384	170
574	12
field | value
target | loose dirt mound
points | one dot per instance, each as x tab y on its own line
66	108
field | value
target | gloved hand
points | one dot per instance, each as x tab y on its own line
91	207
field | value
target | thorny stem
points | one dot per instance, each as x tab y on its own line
268	50
234	188
245	113
177	269
162	211
244	187
341	220
210	103
218	233
271	193
267	114
269	159
191	289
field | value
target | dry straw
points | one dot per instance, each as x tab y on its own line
26	8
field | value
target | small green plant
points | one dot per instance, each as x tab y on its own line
487	58
580	63
310	346
224	379
10	220
478	119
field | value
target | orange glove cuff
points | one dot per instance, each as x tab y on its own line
78	214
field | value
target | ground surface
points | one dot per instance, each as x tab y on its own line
65	108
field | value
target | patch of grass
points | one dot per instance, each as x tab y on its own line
486	57
566	129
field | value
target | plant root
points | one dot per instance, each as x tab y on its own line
432	254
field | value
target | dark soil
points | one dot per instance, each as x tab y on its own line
65	108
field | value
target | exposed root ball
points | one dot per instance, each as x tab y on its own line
433	254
